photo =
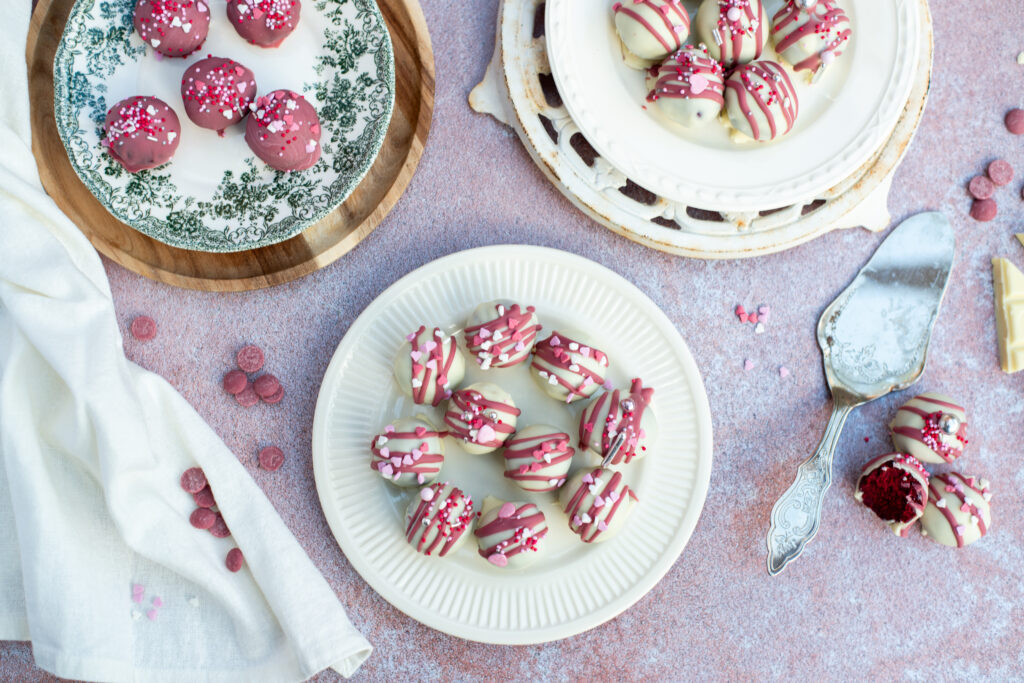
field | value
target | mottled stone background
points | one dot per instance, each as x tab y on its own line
861	603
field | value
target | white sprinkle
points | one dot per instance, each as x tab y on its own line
759	328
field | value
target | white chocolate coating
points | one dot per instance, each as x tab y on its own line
408	452
429	366
615	411
538	457
597	501
500	334
917	428
735	31
688	87
760	101
810	38
483	416
651	29
438	519
568	367
958	511
913	496
510	534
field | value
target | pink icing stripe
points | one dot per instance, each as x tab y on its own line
833	17
673	80
683	16
439	378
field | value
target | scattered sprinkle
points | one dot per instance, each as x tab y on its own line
783	372
748	364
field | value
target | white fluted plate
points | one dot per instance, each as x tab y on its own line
572	586
844	118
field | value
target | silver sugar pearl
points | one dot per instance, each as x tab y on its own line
949	424
628	405
493	416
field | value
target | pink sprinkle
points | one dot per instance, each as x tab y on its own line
783	371
151	615
602	526
410	336
137	598
427	494
748	364
157	602
497	559
486	434
507	510
389	429
698	84
555	341
752	318
588	478
138	589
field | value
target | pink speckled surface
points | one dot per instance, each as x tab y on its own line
861	602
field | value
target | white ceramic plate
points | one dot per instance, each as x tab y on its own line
215	194
844	118
573	586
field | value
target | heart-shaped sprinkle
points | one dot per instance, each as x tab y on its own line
586	519
523	469
387	470
486	434
417	368
432	364
415	355
588	478
155	42
484	333
602	526
497	559
416	454
389	429
552	482
613	496
420	478
420	431
599	502
430	346
698	84
407	460
507	510
241	87
385	452
396	460
535	467
585	351
555	341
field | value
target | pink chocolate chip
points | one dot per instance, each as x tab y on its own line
235	381
266	385
202	518
275	397
247	397
250	358
204	498
219	528
193	480
984	210
1000	172
271	458
1015	121
981	187
234	560
143	328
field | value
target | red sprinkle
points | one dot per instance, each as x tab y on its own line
235	381
271	458
266	385
250	358
219	528
201	518
204	498
193	480
247	397
143	328
276	397
234	560
981	187
1015	121
1000	172
984	210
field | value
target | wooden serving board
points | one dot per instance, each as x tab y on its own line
316	247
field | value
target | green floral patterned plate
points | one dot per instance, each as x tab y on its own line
215	194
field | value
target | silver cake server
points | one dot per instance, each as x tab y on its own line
874	340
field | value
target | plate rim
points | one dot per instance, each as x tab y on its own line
590	620
385	61
762	197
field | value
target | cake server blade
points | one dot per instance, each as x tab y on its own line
874	340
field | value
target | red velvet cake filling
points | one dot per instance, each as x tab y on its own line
892	494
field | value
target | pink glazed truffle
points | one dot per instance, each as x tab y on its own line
264	22
284	131
141	132
174	28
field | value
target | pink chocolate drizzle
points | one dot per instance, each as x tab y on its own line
508	334
523	523
436	512
419	461
611	495
768	85
674	74
954	482
734	34
524	459
432	368
672	14
629	422
931	434
472	408
823	19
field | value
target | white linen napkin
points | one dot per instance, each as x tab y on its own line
91	451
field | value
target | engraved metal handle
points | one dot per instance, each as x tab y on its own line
797	514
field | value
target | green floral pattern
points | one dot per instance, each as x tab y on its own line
351	85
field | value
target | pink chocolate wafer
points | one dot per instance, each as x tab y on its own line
1015	121
204	498
981	187
984	210
235	381
234	560
275	397
266	385
219	528
1000	172
250	359
247	397
193	480
271	458
201	518
143	328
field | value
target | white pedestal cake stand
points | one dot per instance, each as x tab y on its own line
519	91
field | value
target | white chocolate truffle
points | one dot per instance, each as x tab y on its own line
615	412
538	457
499	334
895	487
652	29
569	368
429	366
597	501
409	452
760	101
735	31
510	535
438	519
483	416
688	87
958	511
810	34
931	427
